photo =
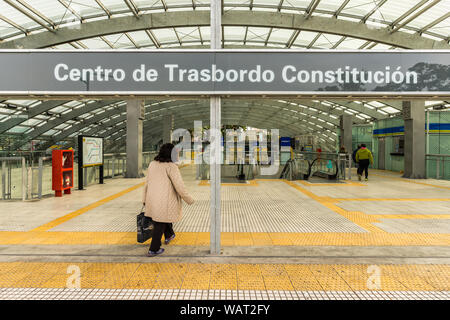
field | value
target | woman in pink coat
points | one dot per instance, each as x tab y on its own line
163	191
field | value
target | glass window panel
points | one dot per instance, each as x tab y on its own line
16	16
17	129
119	40
305	38
31	122
329	5
141	38
442	28
96	43
206	33
431	15
327	41
165	35
233	33
394	9
86	8
172	3
188	34
115	5
52	10
257	34
280	35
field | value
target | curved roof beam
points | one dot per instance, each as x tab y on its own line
243	112
243	108
31	113
49	125
231	118
232	18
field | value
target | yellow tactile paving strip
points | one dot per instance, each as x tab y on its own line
193	276
362	219
410	181
346	183
231	239
78	212
251	183
374	237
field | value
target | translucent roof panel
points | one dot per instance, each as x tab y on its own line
427	18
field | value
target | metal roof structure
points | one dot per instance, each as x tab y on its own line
265	24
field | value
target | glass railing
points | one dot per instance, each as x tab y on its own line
438	166
29	174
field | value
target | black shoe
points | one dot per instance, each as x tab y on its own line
167	241
154	253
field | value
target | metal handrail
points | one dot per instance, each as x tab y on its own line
438	155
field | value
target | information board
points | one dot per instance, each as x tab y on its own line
92	151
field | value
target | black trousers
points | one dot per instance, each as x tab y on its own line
364	166
160	228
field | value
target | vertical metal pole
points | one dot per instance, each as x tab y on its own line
41	169
349	168
112	170
437	167
428	131
216	144
4	180
24	180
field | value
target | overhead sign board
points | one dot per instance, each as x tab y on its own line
238	72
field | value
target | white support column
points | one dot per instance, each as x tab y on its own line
135	117
167	128
414	115
216	143
346	132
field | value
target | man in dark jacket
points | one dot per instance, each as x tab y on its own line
354	154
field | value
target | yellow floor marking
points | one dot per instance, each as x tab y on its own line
391	199
251	183
411	181
231	238
195	276
78	212
411	216
345	184
358	218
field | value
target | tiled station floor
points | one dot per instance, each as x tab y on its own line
388	238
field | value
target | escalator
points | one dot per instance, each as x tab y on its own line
324	167
311	166
296	169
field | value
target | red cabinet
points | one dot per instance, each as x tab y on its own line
62	171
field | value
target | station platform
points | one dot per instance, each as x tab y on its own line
387	238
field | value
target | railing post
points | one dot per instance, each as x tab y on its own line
349	168
112	167
40	175
437	167
24	180
4	180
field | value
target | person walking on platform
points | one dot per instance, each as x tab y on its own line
354	155
363	158
163	191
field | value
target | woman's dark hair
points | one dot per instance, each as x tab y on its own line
165	153
363	145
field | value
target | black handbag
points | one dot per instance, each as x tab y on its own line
144	227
